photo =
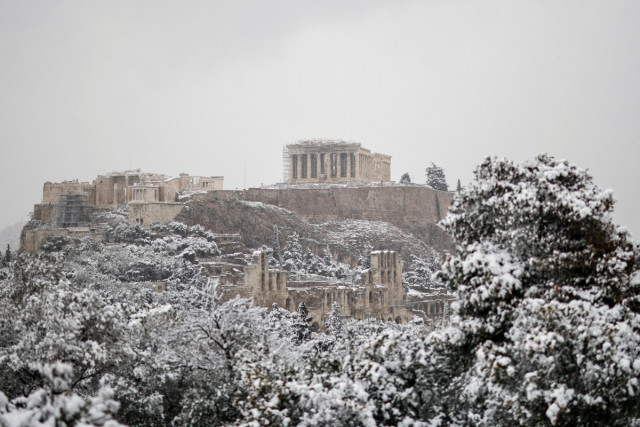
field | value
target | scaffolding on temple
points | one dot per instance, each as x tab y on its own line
71	210
285	164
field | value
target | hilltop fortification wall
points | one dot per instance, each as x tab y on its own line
392	204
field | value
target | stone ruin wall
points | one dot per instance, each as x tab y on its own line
148	213
51	191
392	204
380	296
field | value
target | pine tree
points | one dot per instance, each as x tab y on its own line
364	261
405	178
435	178
276	245
7	255
334	324
459	187
419	273
300	326
292	256
547	300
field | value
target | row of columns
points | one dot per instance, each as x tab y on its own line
324	165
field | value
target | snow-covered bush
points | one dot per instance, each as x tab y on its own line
56	405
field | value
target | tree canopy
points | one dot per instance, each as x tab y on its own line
547	324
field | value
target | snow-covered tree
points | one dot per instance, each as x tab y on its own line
419	273
301	323
44	320
405	178
292	254
276	245
364	260
314	264
459	187
435	178
55	404
547	328
334	324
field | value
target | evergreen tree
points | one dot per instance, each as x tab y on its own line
276	245
364	261
435	178
459	187
314	264
7	255
419	273
292	256
300	325
334	324
405	178
547	323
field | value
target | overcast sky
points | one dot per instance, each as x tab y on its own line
219	87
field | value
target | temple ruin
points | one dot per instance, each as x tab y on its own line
318	161
378	294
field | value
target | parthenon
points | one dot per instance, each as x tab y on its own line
334	161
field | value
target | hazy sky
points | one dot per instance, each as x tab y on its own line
219	87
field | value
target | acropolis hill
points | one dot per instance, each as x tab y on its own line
326	182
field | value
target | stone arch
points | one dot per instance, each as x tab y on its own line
315	327
398	319
370	297
287	304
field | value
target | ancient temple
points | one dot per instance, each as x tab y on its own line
334	161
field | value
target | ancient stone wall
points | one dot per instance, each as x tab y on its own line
148	213
32	240
52	191
391	204
44	213
380	296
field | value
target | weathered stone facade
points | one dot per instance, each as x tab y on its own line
335	161
52	191
145	213
32	240
379	295
119	188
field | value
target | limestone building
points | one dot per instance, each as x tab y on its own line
315	161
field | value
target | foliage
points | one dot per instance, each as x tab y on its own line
292	254
435	178
420	274
276	245
55	404
546	329
547	322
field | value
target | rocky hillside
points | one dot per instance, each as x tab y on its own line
346	239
